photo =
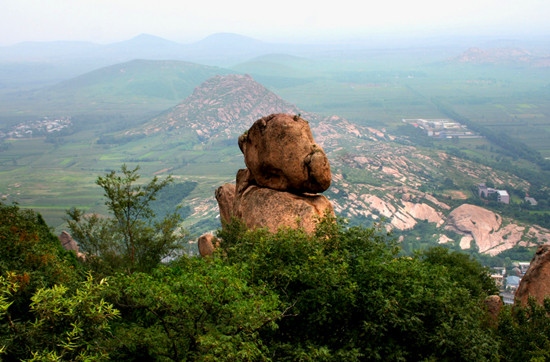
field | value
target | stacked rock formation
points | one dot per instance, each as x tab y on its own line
536	281
285	172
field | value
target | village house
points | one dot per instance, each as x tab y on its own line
484	191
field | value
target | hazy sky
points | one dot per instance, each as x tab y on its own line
105	21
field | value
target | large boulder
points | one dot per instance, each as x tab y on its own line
272	209
285	170
207	243
281	154
225	195
263	207
536	281
493	304
68	243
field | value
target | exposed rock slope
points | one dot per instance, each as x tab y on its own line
487	229
220	107
536	281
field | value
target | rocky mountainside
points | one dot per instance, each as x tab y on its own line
378	177
375	175
223	106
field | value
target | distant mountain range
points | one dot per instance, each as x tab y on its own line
502	56
36	64
217	49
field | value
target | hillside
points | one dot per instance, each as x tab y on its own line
147	85
376	175
421	195
222	106
164	79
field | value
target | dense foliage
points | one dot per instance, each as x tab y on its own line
352	297
340	294
31	257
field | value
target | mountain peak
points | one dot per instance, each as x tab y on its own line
148	40
222	106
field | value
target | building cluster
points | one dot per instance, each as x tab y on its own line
484	191
508	284
442	128
31	129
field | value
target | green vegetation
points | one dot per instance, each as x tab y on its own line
133	239
339	294
377	88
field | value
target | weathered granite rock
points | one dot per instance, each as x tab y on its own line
207	243
264	207
485	228
225	195
281	154
68	243
536	281
285	170
493	303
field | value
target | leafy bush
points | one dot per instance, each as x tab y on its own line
31	257
194	309
132	239
351	297
525	332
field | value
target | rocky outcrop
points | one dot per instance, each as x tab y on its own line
68	243
207	243
225	195
285	171
487	230
423	211
493	303
264	207
280	153
474	220
536	281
